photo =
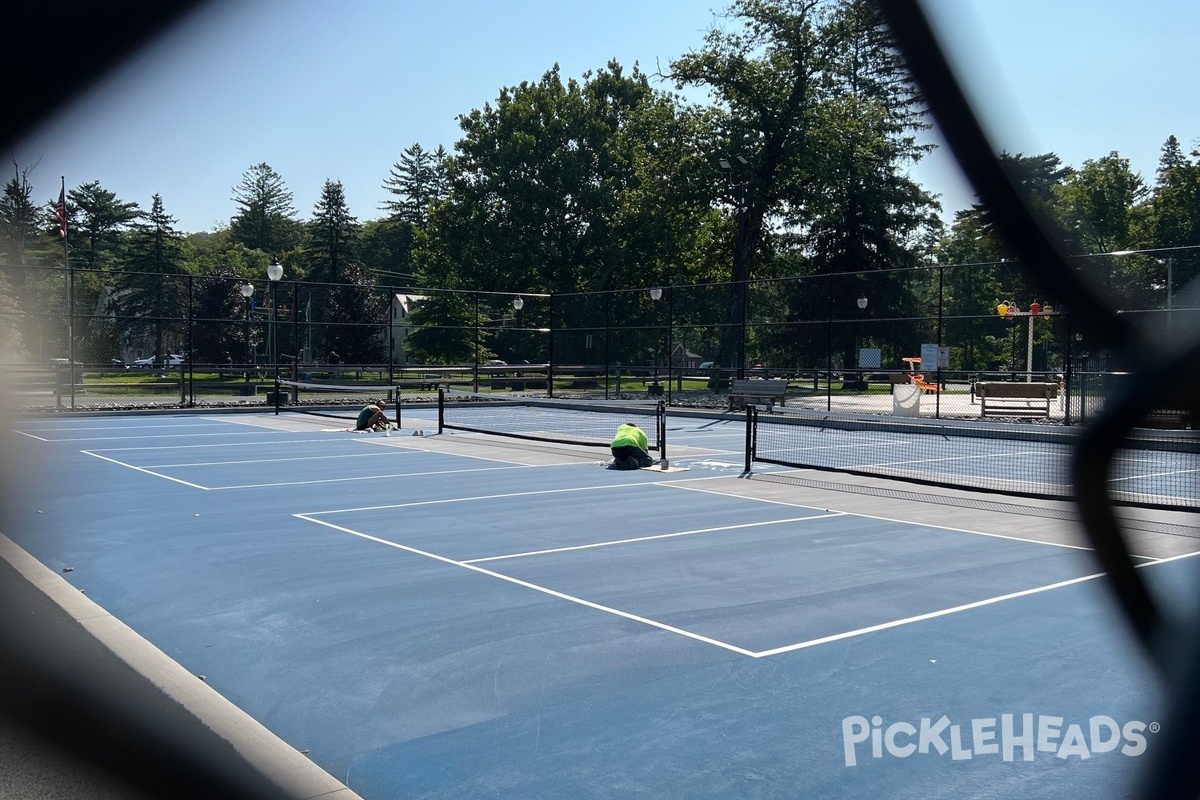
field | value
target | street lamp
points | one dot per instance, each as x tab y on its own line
274	273
518	304
861	302
247	290
656	295
739	255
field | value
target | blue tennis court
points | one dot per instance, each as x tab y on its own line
465	616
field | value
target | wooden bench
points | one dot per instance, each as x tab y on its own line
1014	398
747	390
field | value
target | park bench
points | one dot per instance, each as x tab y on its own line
749	390
1014	398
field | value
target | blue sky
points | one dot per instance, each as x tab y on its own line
321	89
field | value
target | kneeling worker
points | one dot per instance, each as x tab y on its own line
629	448
372	417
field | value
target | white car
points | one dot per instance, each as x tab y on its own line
158	361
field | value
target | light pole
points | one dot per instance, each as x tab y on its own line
274	273
656	389
739	255
861	302
518	304
247	290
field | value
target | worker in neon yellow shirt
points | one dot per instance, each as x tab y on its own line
629	448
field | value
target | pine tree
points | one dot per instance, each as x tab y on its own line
267	220
333	235
18	218
417	180
153	288
98	220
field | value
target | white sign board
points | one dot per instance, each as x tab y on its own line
934	357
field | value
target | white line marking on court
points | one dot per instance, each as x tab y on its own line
143	470
262	443
256	421
90	428
30	435
482	497
921	617
946	611
164	436
470	455
909	523
649	538
398	451
420	474
534	586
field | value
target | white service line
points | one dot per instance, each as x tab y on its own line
650	538
420	474
535	587
921	617
944	612
892	519
30	435
143	470
395	452
263	443
164	436
608	486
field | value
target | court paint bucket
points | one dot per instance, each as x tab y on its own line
906	400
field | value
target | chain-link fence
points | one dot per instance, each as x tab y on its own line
76	339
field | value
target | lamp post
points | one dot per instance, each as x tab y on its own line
861	302
247	290
518	304
656	389
738	253
274	273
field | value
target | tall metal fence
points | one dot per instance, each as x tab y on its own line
77	339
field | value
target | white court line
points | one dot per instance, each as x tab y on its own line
30	435
420	474
535	587
261	443
164	436
89	428
897	521
650	538
479	497
143	470
395	451
946	611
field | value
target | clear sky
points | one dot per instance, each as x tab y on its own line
322	89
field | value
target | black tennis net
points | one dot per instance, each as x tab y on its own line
332	401
563	421
1157	469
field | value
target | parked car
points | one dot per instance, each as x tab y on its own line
151	362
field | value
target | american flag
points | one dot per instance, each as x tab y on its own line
60	213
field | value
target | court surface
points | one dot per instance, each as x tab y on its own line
464	616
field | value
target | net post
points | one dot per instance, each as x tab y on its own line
399	413
751	419
277	394
661	422
441	410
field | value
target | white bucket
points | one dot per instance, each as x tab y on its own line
906	400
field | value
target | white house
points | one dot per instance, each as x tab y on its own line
402	307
